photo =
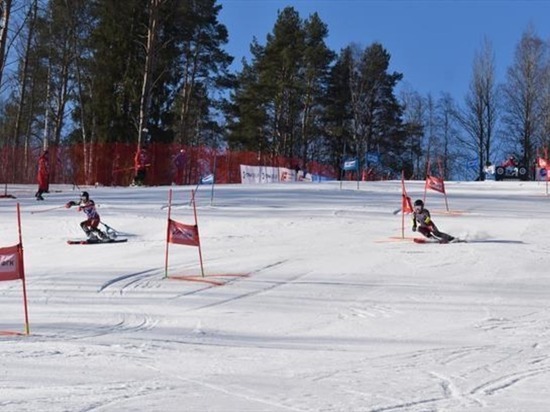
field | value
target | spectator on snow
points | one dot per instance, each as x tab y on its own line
141	162
43	175
298	172
179	166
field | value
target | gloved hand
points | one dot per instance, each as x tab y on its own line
69	204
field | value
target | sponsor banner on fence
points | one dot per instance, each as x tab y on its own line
267	174
351	165
287	175
304	177
541	174
259	174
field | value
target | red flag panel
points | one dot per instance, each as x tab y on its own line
406	205
10	268
435	183
183	234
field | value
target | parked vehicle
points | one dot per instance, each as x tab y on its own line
511	169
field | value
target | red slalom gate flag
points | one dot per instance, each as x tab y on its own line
183	234
10	263
435	183
406	205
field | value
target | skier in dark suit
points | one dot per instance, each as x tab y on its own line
423	222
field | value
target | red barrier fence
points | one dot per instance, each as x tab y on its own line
112	164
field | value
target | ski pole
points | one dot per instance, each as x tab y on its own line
109	228
47	210
195	191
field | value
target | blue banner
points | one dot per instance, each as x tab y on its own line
372	158
351	165
207	180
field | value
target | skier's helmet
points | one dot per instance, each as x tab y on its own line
418	204
84	196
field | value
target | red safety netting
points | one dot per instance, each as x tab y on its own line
112	164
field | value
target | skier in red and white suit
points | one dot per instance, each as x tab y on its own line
90	225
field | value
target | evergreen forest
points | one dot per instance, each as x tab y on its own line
140	72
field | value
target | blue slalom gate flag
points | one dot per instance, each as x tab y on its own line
207	180
372	158
351	165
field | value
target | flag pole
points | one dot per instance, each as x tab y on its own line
546	167
442	177
22	266
402	208
426	180
167	233
213	181
197	226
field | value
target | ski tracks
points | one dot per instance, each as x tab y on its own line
466	378
134	322
237	296
130	279
266	286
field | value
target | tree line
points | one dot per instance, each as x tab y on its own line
89	72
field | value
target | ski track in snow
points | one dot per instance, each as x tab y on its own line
130	279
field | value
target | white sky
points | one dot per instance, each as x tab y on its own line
334	315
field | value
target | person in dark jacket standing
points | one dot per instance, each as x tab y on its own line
179	167
141	163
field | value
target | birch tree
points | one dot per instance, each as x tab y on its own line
479	117
524	96
5	13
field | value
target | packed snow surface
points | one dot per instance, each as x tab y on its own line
314	298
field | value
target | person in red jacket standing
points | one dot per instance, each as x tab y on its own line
43	175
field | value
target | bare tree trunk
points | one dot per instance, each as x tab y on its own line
479	117
186	93
5	11
150	62
23	89
86	137
47	113
524	104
